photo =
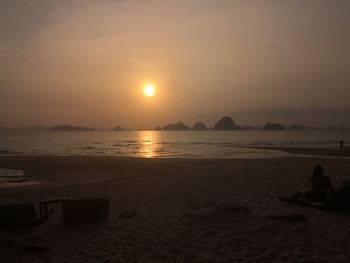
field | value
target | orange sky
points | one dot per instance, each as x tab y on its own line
85	62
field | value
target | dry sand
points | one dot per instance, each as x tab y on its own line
178	210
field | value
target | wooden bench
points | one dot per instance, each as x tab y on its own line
43	206
74	210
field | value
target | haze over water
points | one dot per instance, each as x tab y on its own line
165	144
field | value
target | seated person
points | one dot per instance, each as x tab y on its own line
322	195
321	186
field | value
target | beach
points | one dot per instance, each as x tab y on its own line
174	131
179	210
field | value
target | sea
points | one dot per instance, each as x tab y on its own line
156	144
166	144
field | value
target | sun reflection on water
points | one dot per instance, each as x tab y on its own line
149	142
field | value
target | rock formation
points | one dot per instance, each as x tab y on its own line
199	126
273	127
179	126
66	127
226	123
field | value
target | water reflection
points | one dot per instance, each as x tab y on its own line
150	143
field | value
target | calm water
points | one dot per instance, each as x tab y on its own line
177	144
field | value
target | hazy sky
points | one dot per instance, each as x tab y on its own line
85	62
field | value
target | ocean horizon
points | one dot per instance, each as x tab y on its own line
166	144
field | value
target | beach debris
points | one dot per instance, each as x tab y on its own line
290	217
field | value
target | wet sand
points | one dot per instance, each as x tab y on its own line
179	210
328	152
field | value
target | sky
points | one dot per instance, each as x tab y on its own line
85	62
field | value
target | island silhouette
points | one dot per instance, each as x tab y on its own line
199	126
224	123
227	123
67	127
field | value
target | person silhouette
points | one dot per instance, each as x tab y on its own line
321	186
341	144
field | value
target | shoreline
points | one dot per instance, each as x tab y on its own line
325	152
276	152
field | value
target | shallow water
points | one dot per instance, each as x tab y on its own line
163	144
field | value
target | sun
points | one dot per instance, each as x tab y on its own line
149	90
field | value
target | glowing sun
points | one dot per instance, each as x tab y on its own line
149	90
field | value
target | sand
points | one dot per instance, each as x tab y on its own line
178	210
308	151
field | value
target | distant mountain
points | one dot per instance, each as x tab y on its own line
117	128
273	127
179	126
226	123
158	128
66	127
199	126
296	127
